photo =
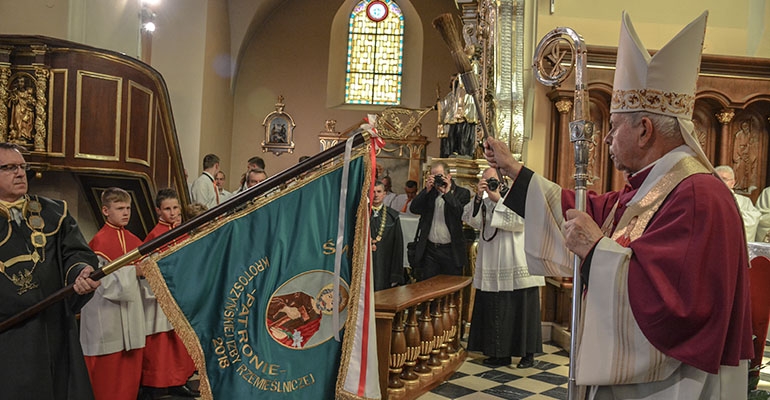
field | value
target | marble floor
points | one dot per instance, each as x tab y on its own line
546	380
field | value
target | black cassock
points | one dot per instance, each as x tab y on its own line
42	358
388	258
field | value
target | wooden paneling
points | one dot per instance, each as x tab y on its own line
57	112
98	116
161	159
139	128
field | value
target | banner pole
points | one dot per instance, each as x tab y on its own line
209	215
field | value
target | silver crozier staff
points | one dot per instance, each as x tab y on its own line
580	131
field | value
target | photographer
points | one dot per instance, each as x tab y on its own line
441	246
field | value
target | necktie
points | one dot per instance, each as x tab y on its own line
403	209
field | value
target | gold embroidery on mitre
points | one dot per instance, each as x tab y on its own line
653	100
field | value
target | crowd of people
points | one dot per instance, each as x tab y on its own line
210	188
506	315
663	261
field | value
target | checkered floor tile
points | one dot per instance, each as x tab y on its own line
546	380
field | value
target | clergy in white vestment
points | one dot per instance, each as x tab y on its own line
763	226
749	214
506	310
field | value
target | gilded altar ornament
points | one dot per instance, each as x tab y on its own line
41	105
399	122
5	74
564	106
22	103
725	116
330	125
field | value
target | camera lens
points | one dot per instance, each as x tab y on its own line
493	184
438	180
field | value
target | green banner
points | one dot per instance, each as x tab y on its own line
255	291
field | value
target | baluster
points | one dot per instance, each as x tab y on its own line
397	352
426	340
453	346
444	352
438	334
412	335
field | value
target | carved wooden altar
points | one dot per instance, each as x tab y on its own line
731	114
404	152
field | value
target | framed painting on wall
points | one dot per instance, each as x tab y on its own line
279	130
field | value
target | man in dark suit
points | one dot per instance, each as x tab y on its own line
441	246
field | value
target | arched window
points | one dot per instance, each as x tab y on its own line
375	53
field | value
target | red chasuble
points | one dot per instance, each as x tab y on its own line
688	276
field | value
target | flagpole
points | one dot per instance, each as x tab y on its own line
209	215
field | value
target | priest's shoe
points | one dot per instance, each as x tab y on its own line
496	361
527	361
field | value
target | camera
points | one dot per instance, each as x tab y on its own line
438	180
493	184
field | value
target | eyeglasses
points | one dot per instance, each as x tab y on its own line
12	168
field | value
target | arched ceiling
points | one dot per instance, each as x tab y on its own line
245	18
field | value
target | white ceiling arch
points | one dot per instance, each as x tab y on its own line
245	18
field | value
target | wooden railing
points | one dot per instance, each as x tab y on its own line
418	335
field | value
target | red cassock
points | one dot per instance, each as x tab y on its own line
115	376
688	276
112	242
166	360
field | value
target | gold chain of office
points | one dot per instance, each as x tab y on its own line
382	225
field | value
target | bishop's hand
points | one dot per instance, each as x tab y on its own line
582	232
499	156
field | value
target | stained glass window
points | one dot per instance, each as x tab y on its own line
375	54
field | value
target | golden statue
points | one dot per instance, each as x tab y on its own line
22	102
